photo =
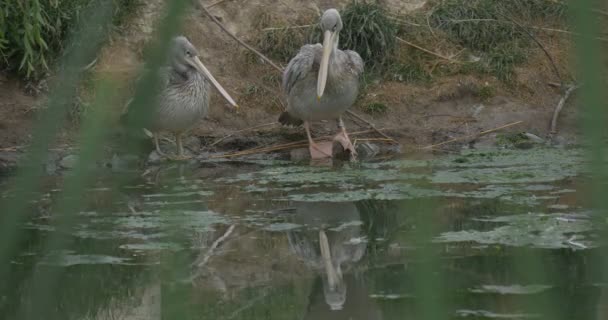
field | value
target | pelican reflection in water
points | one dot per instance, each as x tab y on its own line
183	98
334	243
320	83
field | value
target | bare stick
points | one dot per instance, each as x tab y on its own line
560	106
290	145
528	26
214	19
214	246
214	4
601	12
539	44
238	131
289	27
473	135
427	51
371	125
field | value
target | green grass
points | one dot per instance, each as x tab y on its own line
33	33
482	29
368	31
409	71
375	108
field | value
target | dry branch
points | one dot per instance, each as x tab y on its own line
214	19
214	4
560	106
371	125
523	28
289	27
427	51
242	130
476	135
285	146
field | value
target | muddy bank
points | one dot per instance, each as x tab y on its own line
413	114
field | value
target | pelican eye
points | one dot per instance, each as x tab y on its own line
188	53
335	27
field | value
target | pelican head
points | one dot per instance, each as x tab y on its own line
184	57
331	24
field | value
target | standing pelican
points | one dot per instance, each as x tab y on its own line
184	94
321	82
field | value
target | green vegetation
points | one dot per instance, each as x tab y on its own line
33	33
488	28
368	31
486	92
280	40
375	108
492	37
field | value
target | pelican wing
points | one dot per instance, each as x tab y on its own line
300	65
355	62
165	78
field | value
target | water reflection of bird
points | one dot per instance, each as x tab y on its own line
332	240
184	94
321	82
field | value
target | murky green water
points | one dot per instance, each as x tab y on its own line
277	240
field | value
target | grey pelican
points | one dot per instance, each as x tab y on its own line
329	243
183	98
320	83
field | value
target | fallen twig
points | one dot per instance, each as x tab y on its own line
528	26
288	27
427	51
242	130
215	4
601	12
214	246
560	106
479	134
371	125
214	19
285	146
15	148
553	64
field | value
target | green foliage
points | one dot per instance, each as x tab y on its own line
486	92
368	31
483	24
280	40
375	108
33	32
487	28
410	71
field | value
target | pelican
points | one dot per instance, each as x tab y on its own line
183	98
329	247
320	83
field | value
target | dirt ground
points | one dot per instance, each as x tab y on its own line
416	115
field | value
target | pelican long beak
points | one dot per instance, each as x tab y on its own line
198	65
334	277
328	46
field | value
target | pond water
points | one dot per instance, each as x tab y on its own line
479	235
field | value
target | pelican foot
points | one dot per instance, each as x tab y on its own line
321	150
343	139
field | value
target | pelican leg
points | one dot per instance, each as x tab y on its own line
180	149
344	140
157	145
324	150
